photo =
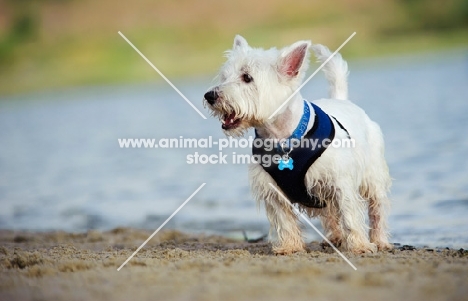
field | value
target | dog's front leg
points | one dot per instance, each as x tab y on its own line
284	223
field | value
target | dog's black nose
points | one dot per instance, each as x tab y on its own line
211	97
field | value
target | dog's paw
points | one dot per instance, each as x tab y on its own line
336	241
364	248
282	250
384	246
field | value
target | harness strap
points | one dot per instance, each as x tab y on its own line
292	182
342	127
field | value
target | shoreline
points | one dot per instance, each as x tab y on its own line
178	266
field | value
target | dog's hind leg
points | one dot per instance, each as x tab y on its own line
353	222
378	232
374	188
376	193
377	210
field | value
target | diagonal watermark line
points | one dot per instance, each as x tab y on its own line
312	75
163	224
312	225
162	75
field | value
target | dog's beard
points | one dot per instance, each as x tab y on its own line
234	122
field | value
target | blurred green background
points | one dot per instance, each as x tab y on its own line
49	44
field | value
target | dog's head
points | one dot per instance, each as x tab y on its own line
253	83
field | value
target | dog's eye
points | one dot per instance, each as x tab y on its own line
247	78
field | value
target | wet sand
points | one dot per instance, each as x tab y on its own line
178	266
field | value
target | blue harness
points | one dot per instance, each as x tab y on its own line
292	180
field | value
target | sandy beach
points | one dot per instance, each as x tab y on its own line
178	266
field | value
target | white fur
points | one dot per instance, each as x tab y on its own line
336	71
353	182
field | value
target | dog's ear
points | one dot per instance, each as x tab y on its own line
240	42
294	59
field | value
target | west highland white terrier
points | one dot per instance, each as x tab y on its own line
337	184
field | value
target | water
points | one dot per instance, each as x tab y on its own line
61	166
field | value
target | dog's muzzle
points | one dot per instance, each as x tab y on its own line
211	97
229	118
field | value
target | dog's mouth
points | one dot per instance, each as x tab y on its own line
230	121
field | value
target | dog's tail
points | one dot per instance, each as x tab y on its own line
336	71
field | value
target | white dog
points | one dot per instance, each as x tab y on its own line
341	183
